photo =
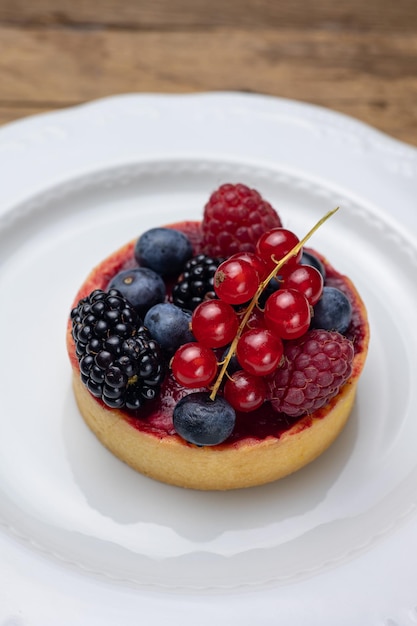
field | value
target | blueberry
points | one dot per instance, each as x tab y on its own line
233	365
310	259
271	287
141	287
164	250
333	311
169	325
202	421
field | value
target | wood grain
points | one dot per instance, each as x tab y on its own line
352	57
185	14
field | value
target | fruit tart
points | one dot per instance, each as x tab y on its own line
217	354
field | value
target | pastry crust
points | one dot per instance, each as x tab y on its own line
243	463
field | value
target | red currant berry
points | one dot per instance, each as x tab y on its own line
235	281
259	351
273	245
255	261
306	279
245	392
256	319
194	365
287	313
214	323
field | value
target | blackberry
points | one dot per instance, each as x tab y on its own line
195	284
120	362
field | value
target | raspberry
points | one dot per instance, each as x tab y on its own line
234	218
315	367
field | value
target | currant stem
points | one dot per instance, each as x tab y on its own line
262	285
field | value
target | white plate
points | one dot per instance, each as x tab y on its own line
85	540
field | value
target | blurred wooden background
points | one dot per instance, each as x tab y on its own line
355	56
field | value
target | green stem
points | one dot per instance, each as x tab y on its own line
262	285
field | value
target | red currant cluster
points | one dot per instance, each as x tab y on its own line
237	323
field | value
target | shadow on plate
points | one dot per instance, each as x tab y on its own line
121	494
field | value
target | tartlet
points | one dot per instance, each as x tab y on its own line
264	446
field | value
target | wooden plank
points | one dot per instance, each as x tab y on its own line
183	14
397	119
370	76
64	67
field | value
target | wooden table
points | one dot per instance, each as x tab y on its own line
358	57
